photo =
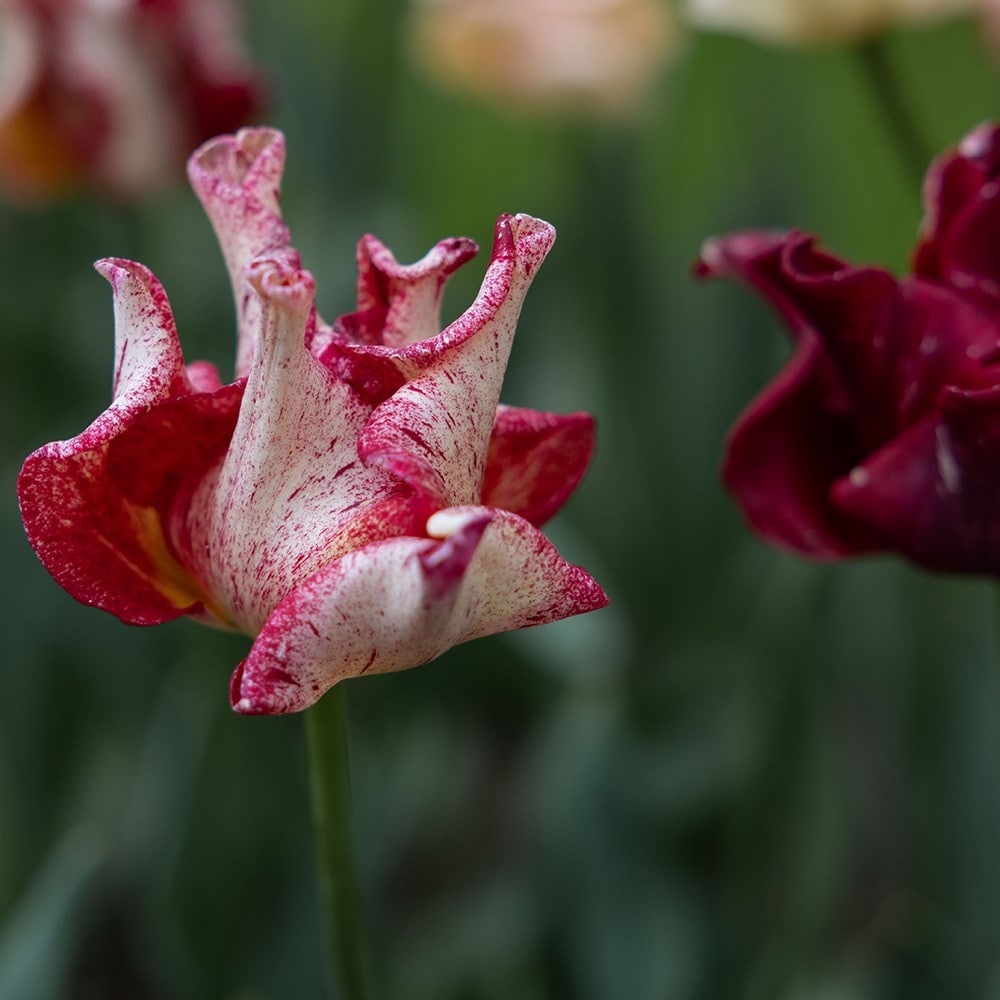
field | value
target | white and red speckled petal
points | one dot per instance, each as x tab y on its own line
237	178
102	548
398	304
536	460
400	602
148	356
291	493
434	431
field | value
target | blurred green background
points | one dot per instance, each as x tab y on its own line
750	777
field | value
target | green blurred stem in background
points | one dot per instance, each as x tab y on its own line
348	956
891	98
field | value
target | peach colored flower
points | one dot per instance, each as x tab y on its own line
590	56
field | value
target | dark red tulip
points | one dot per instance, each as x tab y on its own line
882	432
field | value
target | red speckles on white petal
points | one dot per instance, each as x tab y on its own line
435	430
147	352
291	493
401	602
103	549
295	503
410	294
531	241
237	179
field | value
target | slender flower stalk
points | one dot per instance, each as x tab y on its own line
894	107
347	946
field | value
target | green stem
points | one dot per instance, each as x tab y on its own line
891	98
349	966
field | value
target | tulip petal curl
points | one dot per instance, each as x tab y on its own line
237	180
96	526
401	602
291	493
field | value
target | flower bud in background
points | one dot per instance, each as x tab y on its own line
356	498
584	56
113	94
882	432
803	22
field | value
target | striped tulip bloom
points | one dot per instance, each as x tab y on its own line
356	499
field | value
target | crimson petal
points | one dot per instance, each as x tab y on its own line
931	493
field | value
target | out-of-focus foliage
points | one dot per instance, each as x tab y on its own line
751	777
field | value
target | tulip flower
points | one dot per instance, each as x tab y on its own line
356	498
882	432
798	22
113	95
586	56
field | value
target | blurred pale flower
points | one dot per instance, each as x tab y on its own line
113	94
355	499
882	433
990	12
808	21
590	56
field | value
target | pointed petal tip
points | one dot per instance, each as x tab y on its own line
583	594
981	143
593	596
112	269
235	682
241	703
721	255
249	707
712	256
246	706
453	252
267	691
522	238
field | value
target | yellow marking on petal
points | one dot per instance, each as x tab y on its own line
171	579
